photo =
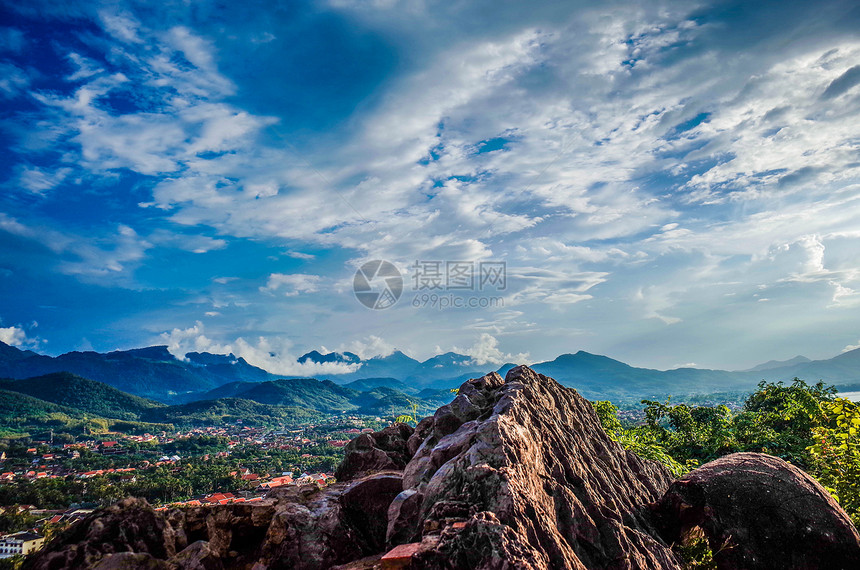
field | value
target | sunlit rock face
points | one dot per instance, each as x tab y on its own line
519	471
513	473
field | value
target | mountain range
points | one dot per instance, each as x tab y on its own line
69	404
155	374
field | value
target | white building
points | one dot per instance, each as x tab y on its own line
20	543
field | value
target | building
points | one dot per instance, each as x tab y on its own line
20	543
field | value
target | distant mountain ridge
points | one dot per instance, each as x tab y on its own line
154	373
601	377
771	364
150	372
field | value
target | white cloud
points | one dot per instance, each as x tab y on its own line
273	354
13	80
300	255
368	348
19	336
650	172
292	284
37	180
486	351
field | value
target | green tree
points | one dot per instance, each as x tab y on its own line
835	455
640	440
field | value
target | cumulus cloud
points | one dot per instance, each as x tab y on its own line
368	348
19	336
486	351
273	354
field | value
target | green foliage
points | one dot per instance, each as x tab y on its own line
777	419
696	554
13	521
835	455
640	441
82	394
700	433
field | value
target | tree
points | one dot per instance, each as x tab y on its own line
640	441
835	455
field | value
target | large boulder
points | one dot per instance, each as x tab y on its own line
128	527
759	512
518	473
295	529
373	452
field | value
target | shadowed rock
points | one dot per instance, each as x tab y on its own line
759	512
130	525
372	452
298	529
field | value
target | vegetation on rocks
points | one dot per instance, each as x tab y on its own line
806	425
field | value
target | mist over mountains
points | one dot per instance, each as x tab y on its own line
154	373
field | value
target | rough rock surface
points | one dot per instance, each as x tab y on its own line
298	528
515	473
372	452
759	512
525	464
127	526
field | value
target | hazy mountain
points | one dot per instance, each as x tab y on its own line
395	365
367	384
154	373
443	370
771	364
150	372
842	370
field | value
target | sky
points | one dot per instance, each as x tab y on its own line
665	183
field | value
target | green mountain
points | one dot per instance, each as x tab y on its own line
21	415
324	396
230	410
82	394
68	403
367	384
384	401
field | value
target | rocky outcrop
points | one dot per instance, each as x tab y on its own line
518	473
301	529
129	526
759	512
514	473
373	452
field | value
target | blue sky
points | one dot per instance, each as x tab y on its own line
668	183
